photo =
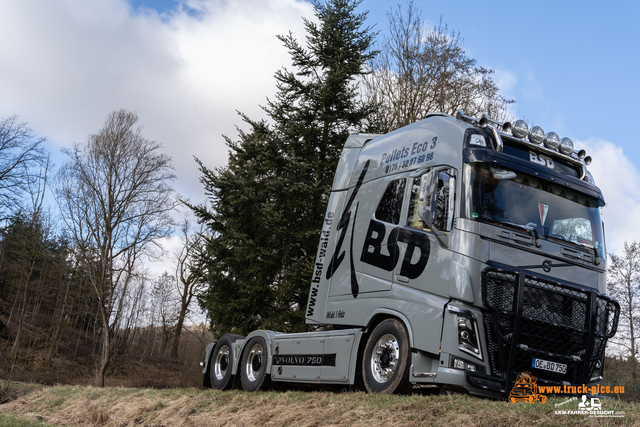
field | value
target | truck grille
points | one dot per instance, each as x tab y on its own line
534	317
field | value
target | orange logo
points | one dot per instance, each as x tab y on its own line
526	389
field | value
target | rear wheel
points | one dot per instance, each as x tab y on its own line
253	373
221	362
385	363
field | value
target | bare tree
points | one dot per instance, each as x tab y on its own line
623	284
165	308
116	202
20	153
186	281
423	69
130	308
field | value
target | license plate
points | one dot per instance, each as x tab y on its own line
549	366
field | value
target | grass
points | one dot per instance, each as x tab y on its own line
90	406
7	420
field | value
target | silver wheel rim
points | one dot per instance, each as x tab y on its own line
254	360
384	358
222	363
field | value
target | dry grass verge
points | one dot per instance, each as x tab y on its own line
90	406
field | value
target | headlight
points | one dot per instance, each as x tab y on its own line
468	336
566	146
467	331
478	140
536	135
519	129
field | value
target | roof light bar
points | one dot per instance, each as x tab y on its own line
534	136
551	140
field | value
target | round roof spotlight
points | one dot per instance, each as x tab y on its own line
552	141
582	154
519	129
566	146
536	135
587	160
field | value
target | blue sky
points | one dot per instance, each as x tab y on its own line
186	67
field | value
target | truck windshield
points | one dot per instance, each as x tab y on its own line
514	198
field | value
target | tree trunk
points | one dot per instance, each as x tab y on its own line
155	336
106	354
106	347
75	352
176	337
634	376
54	340
17	340
22	317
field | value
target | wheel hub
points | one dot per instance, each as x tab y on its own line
384	358
221	363
254	362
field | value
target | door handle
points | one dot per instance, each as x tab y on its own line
403	279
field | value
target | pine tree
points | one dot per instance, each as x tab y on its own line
267	205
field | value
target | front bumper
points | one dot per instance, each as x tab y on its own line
530	316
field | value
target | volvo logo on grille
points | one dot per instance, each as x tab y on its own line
546	265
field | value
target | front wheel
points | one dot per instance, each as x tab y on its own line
253	373
385	363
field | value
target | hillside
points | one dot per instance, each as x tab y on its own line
111	407
146	387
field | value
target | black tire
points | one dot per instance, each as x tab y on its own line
253	365
221	362
385	363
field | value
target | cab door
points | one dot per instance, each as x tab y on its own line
421	276
378	252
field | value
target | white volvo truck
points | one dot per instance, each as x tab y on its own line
456	251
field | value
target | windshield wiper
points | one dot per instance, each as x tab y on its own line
526	228
597	258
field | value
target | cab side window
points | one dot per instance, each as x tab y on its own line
391	203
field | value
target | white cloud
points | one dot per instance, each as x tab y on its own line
617	177
506	82
68	63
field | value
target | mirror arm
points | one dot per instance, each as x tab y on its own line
439	234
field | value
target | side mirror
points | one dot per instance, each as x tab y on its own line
428	186
428	195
